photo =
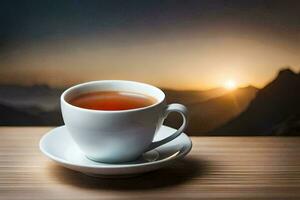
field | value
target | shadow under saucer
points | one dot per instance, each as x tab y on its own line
176	173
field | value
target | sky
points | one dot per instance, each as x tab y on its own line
174	44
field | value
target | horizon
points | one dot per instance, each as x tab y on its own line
164	88
24	84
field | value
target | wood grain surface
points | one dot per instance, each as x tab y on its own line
216	168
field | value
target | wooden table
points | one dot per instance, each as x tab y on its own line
216	168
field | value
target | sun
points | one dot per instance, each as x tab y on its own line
230	84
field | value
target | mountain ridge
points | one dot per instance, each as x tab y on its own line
274	104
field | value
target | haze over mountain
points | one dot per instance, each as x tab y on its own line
274	111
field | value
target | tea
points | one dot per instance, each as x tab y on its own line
112	100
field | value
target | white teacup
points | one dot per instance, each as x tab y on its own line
118	136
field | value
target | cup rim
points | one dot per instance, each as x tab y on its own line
62	97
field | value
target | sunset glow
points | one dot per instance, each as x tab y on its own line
230	84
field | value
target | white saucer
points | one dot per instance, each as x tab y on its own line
58	145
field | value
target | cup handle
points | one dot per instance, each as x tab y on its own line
175	107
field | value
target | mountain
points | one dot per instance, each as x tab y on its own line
11	116
36	105
288	127
41	96
209	114
275	110
33	117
